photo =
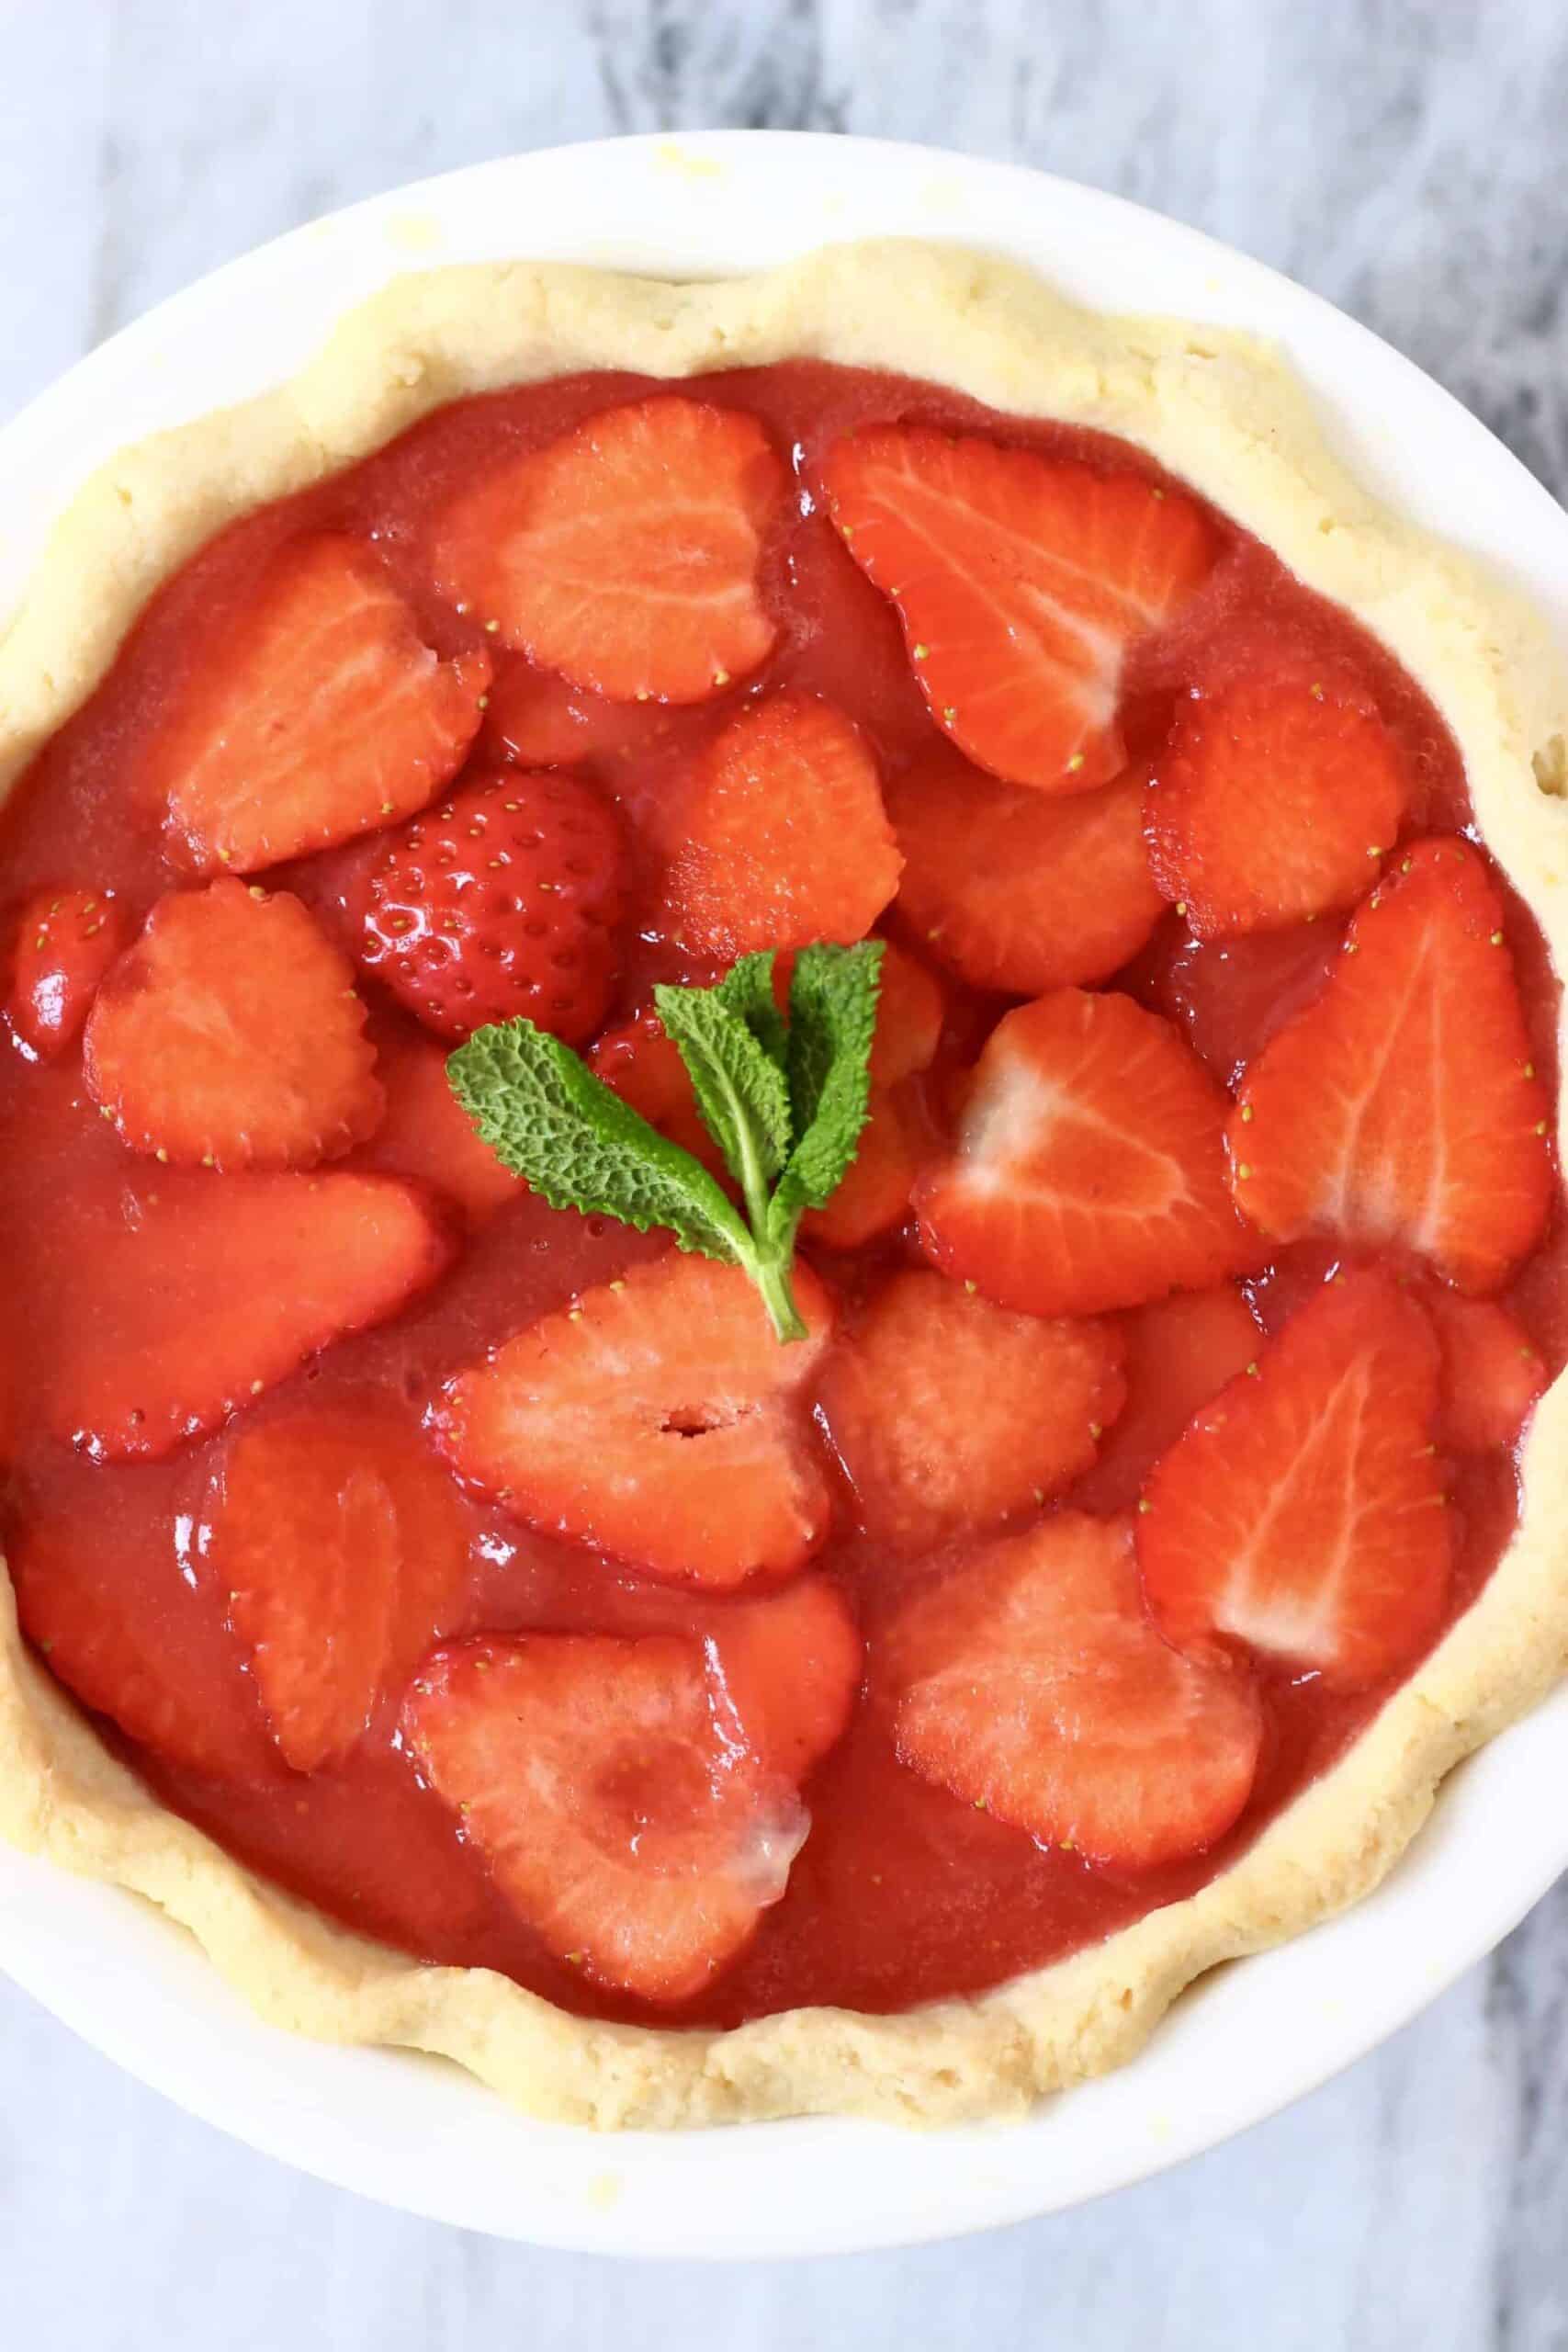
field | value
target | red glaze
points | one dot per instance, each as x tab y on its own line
901	1893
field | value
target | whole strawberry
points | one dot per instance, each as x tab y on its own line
505	899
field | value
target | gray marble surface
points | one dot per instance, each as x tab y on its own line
1405	157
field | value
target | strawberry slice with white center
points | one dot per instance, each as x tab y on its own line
1089	1167
322	713
948	1412
1401	1106
659	1419
1021	582
1268	803
1302	1512
637	1801
231	1035
1027	1679
625	555
340	1544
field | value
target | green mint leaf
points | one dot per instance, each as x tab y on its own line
543	1112
740	1092
832	1019
748	988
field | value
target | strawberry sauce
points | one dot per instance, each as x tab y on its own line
901	1893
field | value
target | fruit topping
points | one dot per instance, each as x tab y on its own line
1181	1352
776	835
323	714
948	1413
1271	804
340	1544
1017	890
507	900
1089	1166
231	1035
1493	1376
426	1133
126	1648
538	720
1021	582
625	554
659	1419
790	1664
910	1008
1027	1679
1302	1512
178	1296
636	1800
65	942
873	1194
1403	1107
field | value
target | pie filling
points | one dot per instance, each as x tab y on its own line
491	1575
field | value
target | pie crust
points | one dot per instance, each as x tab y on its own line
1219	411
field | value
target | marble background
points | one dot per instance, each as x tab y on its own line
1404	158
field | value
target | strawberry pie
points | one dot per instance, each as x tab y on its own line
780	1124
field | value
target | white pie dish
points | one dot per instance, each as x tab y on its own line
432	2141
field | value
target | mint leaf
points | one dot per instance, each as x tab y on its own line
785	1102
832	1019
748	988
740	1092
543	1112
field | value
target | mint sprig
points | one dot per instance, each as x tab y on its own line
785	1102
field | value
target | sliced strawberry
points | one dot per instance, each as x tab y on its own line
1029	1680
1401	1106
125	1649
1017	890
506	899
1492	1377
426	1133
789	1665
874	1193
643	1064
625	555
1089	1166
1021	582
659	1419
1181	1352
231	1036
321	715
1267	802
1228	997
948	1412
537	720
910	1009
777	836
65	942
175	1297
1302	1513
342	1545
603	1784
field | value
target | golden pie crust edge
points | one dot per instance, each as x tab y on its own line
1219	411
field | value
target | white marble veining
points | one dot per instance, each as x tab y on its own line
1405	158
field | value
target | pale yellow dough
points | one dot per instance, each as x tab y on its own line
1219	411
